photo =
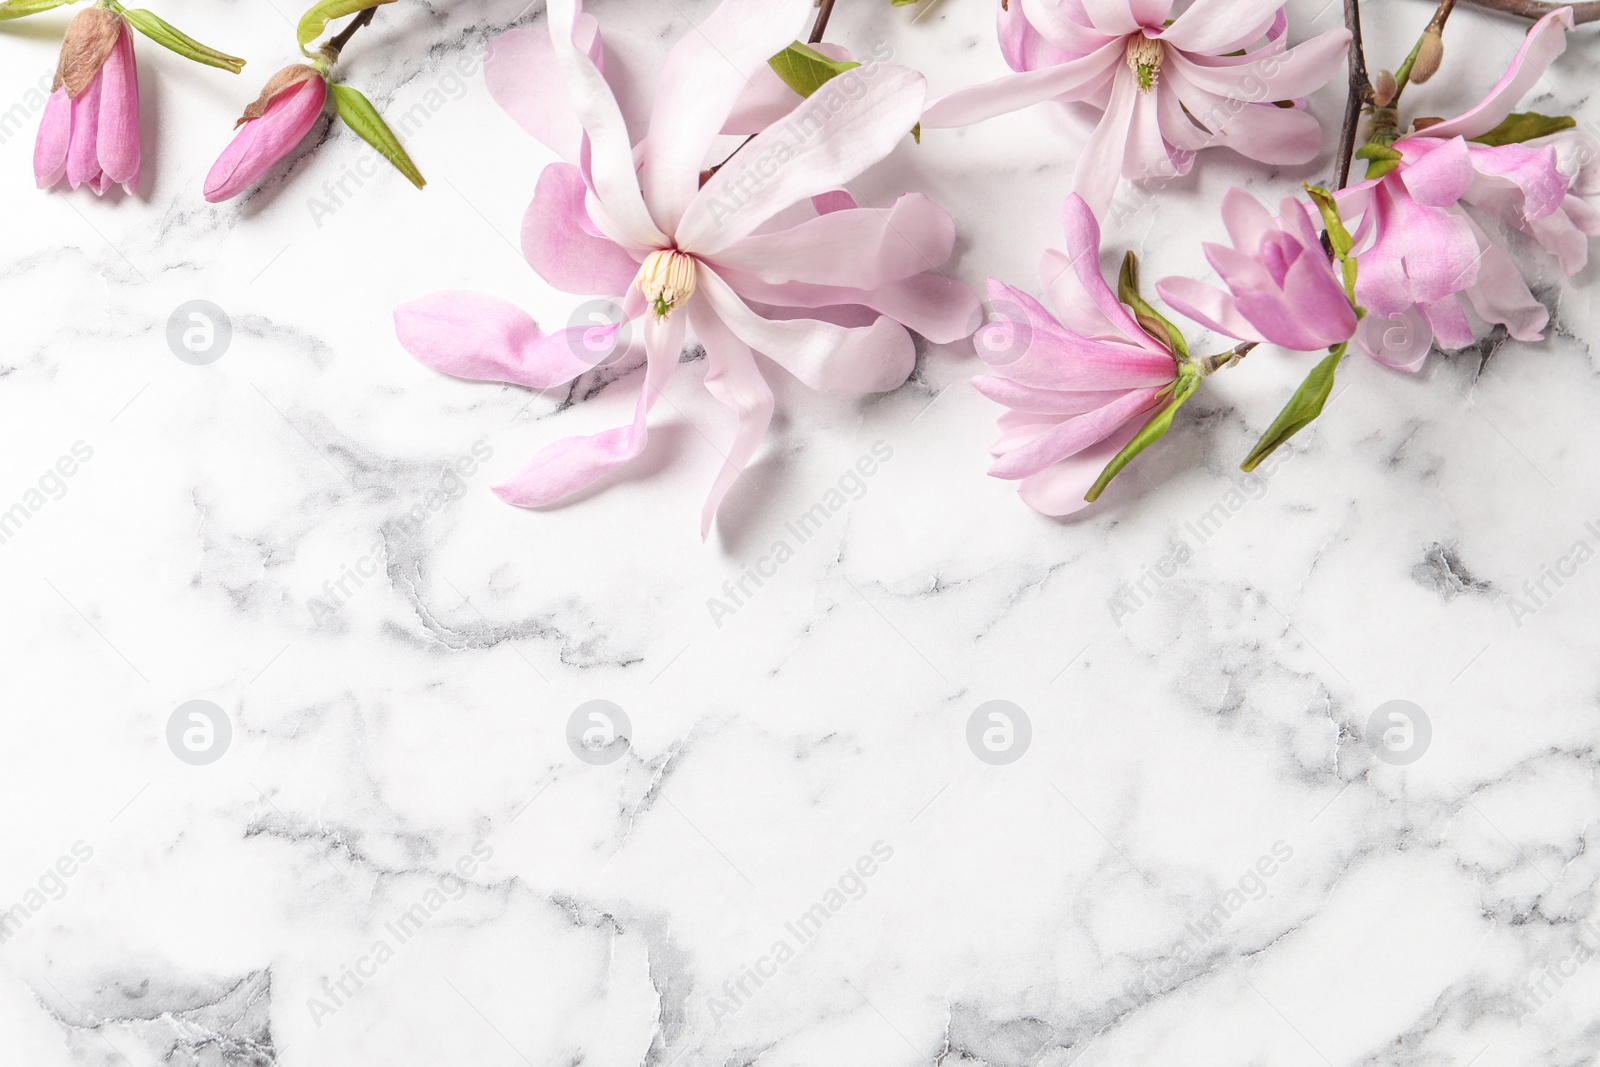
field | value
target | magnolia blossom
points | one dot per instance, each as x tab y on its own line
278	120
1424	261
1281	284
90	130
741	256
1079	389
1219	74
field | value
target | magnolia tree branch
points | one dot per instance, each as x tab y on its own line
1360	92
336	45
825	11
1534	9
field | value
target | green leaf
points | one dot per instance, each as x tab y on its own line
1301	410
359	114
16	9
805	70
1337	234
1525	126
1149	434
315	22
1150	320
169	36
1381	159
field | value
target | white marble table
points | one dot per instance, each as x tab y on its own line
797	859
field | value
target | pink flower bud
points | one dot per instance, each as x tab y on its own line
273	124
90	130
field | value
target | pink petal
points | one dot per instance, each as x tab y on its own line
469	335
611	162
1420	255
575	463
520	71
556	241
1210	307
852	122
733	379
1546	40
1114	18
117	138
1451	330
1099	170
1212	27
1146	155
1083	247
869	359
1030	399
54	140
1501	295
83	161
974	103
1247	219
1262	79
1074	434
1059	489
1565	233
1026	345
696	91
939	308
1518	182
1436	173
861	249
263	141
1054	21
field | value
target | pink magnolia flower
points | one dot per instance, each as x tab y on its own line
1424	261
278	120
766	254
1213	76
1078	390
1281	284
90	130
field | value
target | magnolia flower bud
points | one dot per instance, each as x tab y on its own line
667	280
1384	88
1429	55
91	36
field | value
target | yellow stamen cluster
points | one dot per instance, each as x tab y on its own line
1144	57
667	279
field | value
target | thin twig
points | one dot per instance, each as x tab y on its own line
336	45
1533	9
821	26
1360	92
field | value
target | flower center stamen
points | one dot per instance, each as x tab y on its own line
667	280
1144	57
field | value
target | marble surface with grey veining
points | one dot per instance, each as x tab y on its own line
1218	846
